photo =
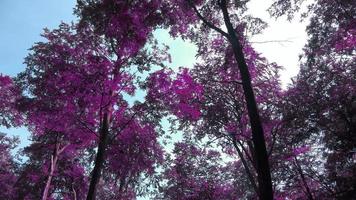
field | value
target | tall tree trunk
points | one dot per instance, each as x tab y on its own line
263	169
100	158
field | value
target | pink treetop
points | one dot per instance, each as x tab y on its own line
75	85
128	24
72	81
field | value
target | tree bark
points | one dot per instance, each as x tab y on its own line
54	159
263	169
100	158
74	193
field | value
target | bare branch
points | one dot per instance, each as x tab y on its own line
271	41
85	126
62	149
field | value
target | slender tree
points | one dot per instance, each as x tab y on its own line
213	9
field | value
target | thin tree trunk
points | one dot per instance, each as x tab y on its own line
301	174
261	156
54	158
248	172
100	158
74	193
49	179
263	169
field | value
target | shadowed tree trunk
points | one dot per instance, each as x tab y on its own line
100	158
263	169
244	162
301	174
265	190
74	193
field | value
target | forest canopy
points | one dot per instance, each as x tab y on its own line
243	136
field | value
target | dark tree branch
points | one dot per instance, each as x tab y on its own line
274	132
272	41
248	172
302	176
125	125
86	127
247	154
206	22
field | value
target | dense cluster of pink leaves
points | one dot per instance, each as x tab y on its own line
127	23
132	146
182	95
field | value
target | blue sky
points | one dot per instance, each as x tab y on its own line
21	23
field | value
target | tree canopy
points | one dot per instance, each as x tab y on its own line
243	135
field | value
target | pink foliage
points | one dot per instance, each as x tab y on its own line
182	96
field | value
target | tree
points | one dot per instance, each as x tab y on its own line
180	16
320	103
225	116
90	140
210	100
76	87
233	36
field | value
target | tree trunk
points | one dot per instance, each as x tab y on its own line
301	174
74	193
263	169
248	172
100	158
54	158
